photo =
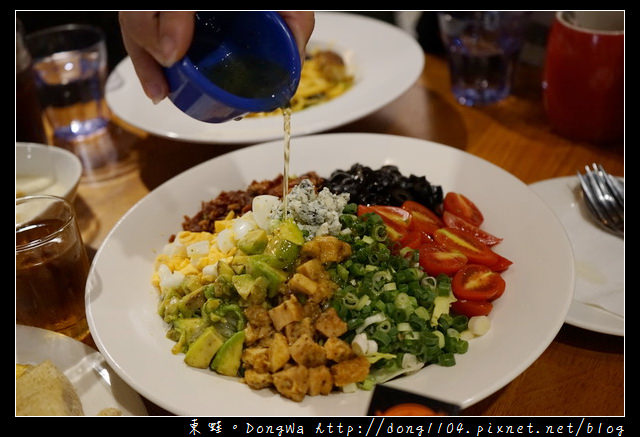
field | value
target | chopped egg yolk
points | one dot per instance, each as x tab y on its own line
197	253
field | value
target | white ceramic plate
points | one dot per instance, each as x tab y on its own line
97	385
385	60
599	258
121	303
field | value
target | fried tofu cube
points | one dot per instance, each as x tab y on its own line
311	309
338	350
326	288
253	334
256	358
258	316
287	312
278	352
292	382
307	352
320	381
350	371
327	248
295	330
330	324
303	284
312	269
257	380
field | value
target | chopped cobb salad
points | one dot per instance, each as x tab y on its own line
332	295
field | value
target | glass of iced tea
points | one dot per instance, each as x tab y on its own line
51	266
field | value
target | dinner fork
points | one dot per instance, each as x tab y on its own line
604	196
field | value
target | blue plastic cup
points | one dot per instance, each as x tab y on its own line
238	62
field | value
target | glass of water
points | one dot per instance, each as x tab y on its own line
482	50
70	66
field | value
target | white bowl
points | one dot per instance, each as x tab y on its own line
43	169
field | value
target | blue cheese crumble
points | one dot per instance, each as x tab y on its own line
315	214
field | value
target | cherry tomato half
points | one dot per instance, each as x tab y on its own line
458	240
453	221
472	308
393	216
435	261
422	218
460	205
477	283
501	263
412	239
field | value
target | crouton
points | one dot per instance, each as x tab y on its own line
326	248
303	284
320	381
257	315
330	324
347	372
256	358
253	335
278	352
292	382
295	330
311	309
312	269
288	311
257	380
307	353
338	350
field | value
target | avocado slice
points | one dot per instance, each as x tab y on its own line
202	350
227	359
259	266
253	242
288	230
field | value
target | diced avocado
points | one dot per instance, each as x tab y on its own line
189	330
288	230
190	303
239	263
225	270
192	327
191	283
253	242
227	360
284	252
251	288
202	350
208	309
243	284
275	276
222	287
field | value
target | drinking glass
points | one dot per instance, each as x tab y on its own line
51	266
482	50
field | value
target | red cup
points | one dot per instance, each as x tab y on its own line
583	78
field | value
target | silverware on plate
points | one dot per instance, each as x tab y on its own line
604	196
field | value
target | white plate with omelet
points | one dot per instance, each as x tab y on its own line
122	304
99	389
383	65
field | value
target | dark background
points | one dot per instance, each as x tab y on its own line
427	27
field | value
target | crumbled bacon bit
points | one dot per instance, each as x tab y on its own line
239	201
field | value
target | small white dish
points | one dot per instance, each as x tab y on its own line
599	258
97	385
43	169
385	64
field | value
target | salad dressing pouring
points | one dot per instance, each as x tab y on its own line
286	112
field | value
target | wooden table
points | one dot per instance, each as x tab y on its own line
582	372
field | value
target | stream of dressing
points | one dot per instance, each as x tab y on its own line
286	112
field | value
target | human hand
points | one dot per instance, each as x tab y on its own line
156	39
